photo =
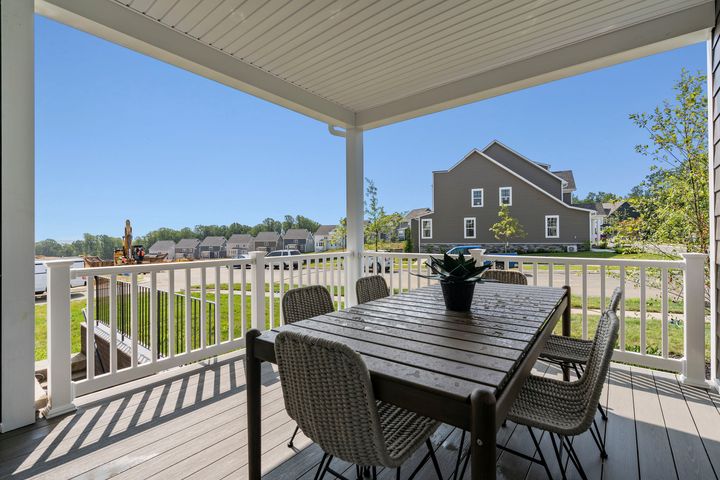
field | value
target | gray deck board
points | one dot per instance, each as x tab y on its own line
191	424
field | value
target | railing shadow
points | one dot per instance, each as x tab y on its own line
112	419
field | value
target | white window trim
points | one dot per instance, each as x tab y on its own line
556	217
500	196
482	197
474	227
422	228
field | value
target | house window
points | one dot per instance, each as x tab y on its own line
469	227
426	228
506	196
476	197
552	226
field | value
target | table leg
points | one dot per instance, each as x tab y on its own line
252	377
566	319
482	448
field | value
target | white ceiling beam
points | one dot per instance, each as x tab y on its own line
118	24
665	33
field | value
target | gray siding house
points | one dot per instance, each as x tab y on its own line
163	246
468	197
299	239
240	244
187	248
213	247
324	238
268	241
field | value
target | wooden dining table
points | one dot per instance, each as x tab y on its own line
461	368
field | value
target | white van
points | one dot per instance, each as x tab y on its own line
41	276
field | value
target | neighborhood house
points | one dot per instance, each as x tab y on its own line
268	241
468	197
187	248
213	247
324	238
299	239
163	246
240	244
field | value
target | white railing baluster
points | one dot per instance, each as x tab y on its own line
153	318
90	331
300	272
664	310
231	301
218	331
584	303
282	293
551	272
188	312
134	319
243	301
203	308
171	313
400	274
622	308
602	288
113	324
643	314
567	274
417	271
271	291
534	272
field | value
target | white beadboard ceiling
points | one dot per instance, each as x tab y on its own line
369	63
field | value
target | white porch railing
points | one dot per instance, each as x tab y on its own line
158	316
662	316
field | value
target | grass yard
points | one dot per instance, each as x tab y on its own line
610	255
653	331
76	318
632	304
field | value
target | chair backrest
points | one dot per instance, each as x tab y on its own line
371	288
306	302
598	364
505	276
615	299
327	391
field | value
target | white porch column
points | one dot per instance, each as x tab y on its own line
257	294
17	302
60	389
694	335
355	198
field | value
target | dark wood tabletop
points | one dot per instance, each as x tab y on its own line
430	360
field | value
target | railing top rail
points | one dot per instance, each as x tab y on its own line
158	267
679	264
305	256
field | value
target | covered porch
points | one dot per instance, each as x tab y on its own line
355	67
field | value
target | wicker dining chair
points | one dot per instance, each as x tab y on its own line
566	409
575	352
327	390
303	303
505	276
371	288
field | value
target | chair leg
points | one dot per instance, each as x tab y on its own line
558	454
574	458
397	474
539	450
290	443
603	414
459	455
321	467
433	458
600	441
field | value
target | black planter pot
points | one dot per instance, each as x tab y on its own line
458	295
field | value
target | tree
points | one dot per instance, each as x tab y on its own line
507	228
339	235
673	201
594	197
375	214
306	223
288	223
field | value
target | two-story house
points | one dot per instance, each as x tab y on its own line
188	248
268	241
163	246
299	239
213	247
468	197
240	244
324	238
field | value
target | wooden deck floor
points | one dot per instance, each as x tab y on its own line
191	424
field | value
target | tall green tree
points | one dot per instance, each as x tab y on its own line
375	214
306	223
673	200
594	197
507	227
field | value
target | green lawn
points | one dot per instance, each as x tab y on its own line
611	255
276	287
631	304
76	318
653	330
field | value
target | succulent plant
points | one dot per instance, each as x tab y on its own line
455	270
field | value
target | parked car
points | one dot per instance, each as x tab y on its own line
285	253
376	266
465	250
41	276
242	256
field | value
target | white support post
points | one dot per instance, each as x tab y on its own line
694	299
17	326
60	394
257	293
355	209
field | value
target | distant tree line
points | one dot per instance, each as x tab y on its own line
104	245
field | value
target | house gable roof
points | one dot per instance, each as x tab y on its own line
416	213
188	243
568	178
267	237
213	242
240	238
297	234
596	207
543	167
503	167
163	245
325	229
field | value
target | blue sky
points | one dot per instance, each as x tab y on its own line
121	135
